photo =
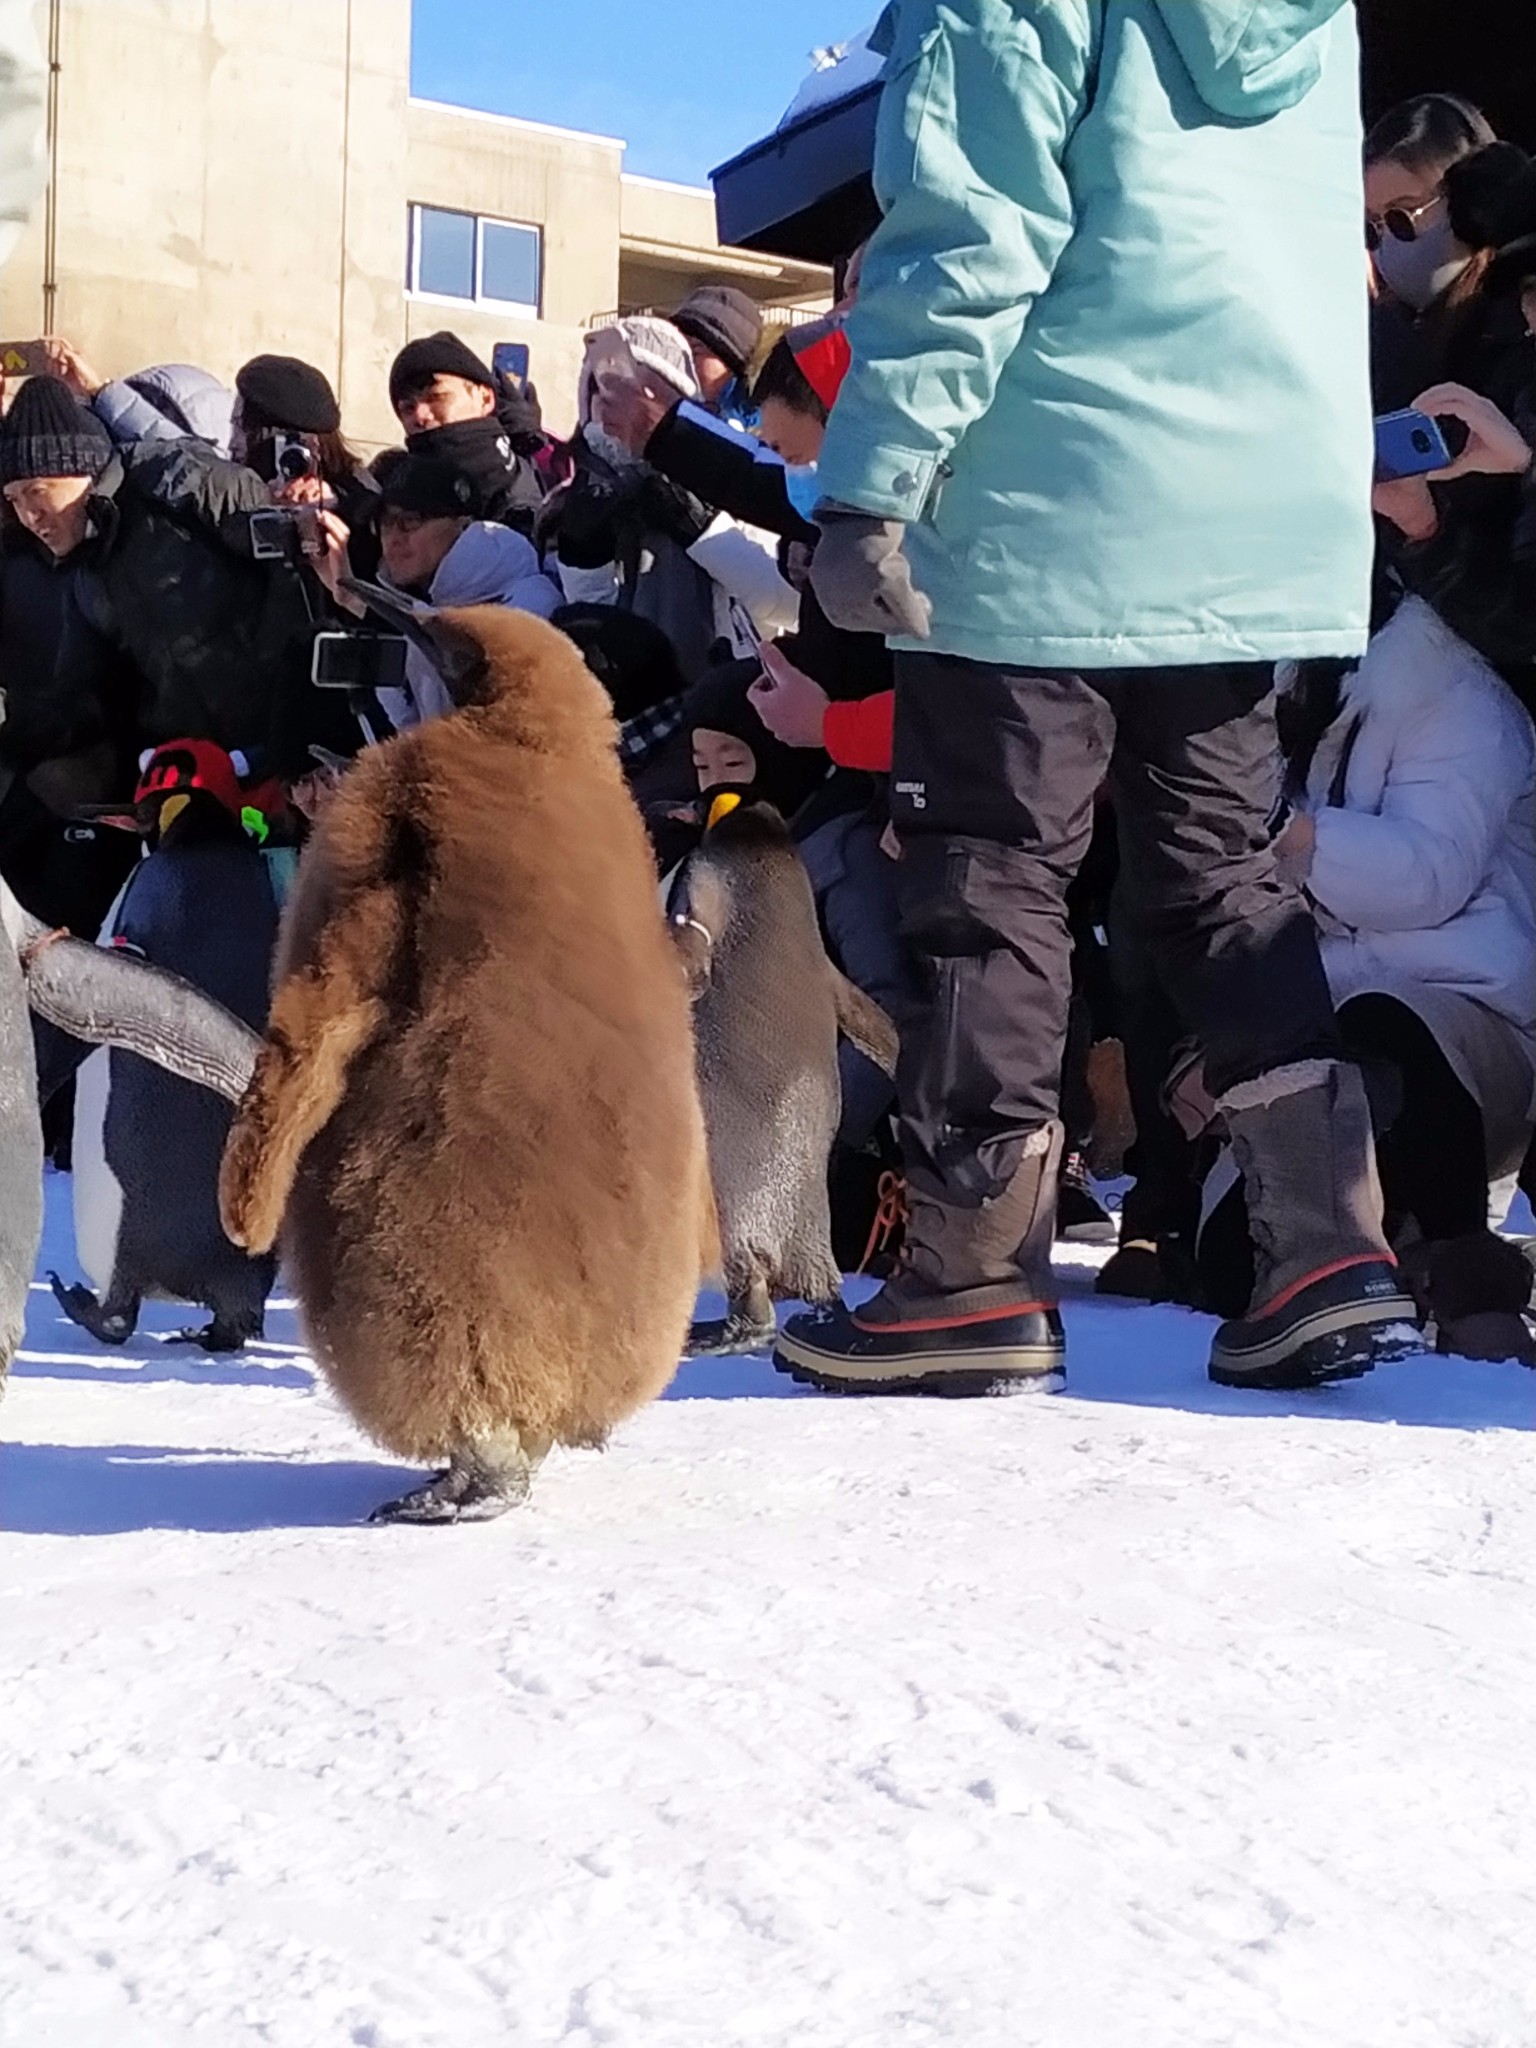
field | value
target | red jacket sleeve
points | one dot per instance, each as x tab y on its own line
862	734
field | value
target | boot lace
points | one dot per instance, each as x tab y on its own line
892	1213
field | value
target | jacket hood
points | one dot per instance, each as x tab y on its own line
1249	59
189	398
487	565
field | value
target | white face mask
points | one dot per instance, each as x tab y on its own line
1417	272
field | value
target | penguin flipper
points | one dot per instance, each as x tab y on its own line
105	1322
864	1024
109	998
324	1014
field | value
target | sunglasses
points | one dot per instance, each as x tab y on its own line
1400	222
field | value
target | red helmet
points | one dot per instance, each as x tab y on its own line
181	766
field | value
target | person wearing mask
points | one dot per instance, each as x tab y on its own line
625	534
453	409
436	547
1420	265
724	330
1461	538
769	483
156	542
1065	277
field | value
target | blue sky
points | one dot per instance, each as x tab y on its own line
686	83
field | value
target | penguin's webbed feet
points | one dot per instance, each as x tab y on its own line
222	1336
108	1325
733	1336
478	1484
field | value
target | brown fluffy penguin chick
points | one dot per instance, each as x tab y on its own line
474	1117
768	1006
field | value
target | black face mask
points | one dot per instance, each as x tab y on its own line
480	448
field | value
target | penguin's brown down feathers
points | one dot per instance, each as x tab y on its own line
475	1118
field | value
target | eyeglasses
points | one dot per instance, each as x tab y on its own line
1400	222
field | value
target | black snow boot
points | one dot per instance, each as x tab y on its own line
972	1309
1327	1303
1081	1217
1476	1290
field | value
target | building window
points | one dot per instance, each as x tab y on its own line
465	256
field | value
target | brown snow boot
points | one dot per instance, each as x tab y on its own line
1327	1301
972	1308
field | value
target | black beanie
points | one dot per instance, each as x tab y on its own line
785	776
724	321
48	432
291	394
435	355
429	487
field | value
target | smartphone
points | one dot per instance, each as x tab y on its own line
1408	443
358	661
23	359
510	359
608	355
283	533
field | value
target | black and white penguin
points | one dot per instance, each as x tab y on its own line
768	1007
147	1145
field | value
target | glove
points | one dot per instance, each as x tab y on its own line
862	577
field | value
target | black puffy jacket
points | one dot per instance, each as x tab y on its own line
217	639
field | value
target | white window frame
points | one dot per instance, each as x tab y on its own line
481	220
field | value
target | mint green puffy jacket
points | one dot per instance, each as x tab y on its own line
1110	343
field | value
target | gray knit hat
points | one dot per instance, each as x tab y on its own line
47	432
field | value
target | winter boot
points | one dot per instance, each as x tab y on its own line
1081	1217
1327	1301
1153	1269
1476	1291
970	1311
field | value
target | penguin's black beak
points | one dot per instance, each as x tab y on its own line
456	661
411	619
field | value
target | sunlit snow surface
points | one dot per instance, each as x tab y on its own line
1144	1716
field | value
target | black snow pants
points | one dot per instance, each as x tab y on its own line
992	794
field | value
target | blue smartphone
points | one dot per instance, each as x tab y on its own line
510	359
1408	443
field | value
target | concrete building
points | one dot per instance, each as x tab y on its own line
231	176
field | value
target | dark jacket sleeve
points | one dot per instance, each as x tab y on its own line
186	479
729	471
1479	569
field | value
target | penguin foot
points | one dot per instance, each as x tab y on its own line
478	1484
106	1325
731	1337
222	1336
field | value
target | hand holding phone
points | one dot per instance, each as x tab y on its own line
1408	443
609	355
1494	445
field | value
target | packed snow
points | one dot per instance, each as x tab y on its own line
1144	1716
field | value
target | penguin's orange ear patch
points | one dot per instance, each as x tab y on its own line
722	807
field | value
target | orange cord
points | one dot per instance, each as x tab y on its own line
890	1215
29	955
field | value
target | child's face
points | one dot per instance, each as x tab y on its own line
797	436
720	757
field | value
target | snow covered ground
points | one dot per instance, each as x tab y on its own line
1147	1716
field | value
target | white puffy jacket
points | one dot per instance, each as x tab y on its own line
1424	792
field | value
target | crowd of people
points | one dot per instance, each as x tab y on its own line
1124	834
